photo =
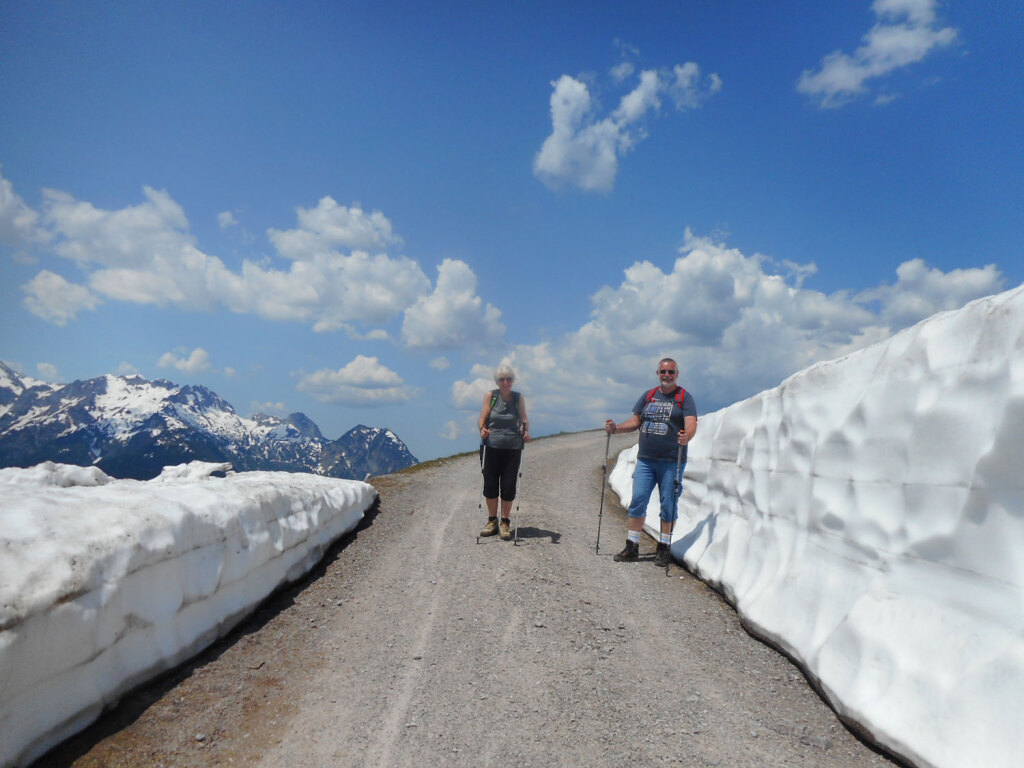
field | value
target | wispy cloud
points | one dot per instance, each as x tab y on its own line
270	408
906	31
49	372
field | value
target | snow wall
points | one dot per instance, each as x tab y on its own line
867	517
106	583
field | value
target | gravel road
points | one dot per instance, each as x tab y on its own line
415	643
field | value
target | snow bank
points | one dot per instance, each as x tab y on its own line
867	516
105	583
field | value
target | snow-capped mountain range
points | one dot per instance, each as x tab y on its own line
131	427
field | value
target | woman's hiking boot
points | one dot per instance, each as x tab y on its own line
629	553
506	528
491	528
663	557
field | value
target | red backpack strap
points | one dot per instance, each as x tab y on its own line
680	394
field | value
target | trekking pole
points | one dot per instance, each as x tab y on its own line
479	504
675	503
519	493
600	511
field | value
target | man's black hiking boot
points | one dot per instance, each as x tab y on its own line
663	557
629	553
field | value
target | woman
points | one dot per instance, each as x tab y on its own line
504	428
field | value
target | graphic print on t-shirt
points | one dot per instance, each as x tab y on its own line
656	416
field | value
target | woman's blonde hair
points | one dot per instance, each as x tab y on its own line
504	371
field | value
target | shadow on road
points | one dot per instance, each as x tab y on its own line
530	532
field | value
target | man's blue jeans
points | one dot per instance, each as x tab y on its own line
648	474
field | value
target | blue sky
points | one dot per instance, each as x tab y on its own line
358	210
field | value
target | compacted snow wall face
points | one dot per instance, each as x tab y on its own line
867	516
105	583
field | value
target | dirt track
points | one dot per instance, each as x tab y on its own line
415	644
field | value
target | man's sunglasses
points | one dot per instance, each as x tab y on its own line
504	378
666	370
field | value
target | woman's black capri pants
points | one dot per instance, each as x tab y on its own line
500	469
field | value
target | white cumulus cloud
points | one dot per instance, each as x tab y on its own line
921	291
145	254
584	149
18	221
330	227
735	323
56	300
363	382
453	316
196	361
156	229
469	394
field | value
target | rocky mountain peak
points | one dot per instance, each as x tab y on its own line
132	427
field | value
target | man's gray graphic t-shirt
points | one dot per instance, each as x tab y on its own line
660	422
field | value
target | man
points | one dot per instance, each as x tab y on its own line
667	419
